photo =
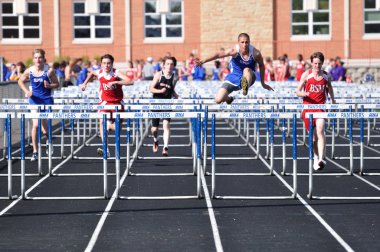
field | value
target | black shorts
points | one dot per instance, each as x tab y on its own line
156	121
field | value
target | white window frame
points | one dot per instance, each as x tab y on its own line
310	23
163	25
21	27
369	36
92	26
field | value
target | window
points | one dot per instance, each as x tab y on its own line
163	25
371	17
17	27
92	26
310	18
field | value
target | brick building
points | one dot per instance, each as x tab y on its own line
134	29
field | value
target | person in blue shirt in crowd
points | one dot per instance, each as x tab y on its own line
215	72
82	76
5	70
198	73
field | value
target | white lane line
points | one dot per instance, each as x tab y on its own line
214	225
343	243
40	181
102	220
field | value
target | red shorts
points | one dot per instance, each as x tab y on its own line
111	110
306	120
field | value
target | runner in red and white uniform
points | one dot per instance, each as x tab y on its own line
110	89
314	86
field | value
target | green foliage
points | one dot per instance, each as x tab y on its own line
28	62
60	58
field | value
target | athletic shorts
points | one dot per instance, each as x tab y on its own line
306	120
34	100
111	110
156	121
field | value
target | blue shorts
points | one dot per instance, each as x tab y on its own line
235	79
38	101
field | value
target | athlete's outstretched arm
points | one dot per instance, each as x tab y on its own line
259	59
218	55
124	80
301	87
84	85
24	77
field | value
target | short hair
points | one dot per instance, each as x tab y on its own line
217	63
107	56
170	58
317	55
40	51
243	34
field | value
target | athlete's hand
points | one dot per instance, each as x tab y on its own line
111	83
83	87
29	94
267	87
163	90
306	94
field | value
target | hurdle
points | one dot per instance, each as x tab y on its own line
150	115
253	115
349	116
7	116
60	115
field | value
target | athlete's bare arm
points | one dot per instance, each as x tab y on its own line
330	90
124	80
301	87
152	87
89	77
232	52
54	80
25	77
259	59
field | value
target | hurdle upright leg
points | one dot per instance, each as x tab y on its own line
9	150
310	195
22	152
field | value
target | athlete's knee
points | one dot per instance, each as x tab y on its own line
218	100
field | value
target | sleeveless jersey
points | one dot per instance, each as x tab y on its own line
37	83
300	68
164	82
237	65
317	89
113	93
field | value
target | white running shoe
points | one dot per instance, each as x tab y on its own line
34	157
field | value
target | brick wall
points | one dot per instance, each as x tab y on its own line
222	22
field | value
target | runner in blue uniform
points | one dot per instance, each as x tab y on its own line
242	65
42	82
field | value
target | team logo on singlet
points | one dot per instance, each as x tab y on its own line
106	87
317	88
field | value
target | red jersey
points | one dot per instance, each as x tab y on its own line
300	68
130	73
317	89
268	75
280	72
113	93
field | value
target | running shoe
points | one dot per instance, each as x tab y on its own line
165	151
322	164
34	157
47	149
155	146
244	85
231	100
316	166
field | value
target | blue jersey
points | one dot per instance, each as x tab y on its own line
37	83
237	65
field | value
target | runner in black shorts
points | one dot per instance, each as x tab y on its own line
162	87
